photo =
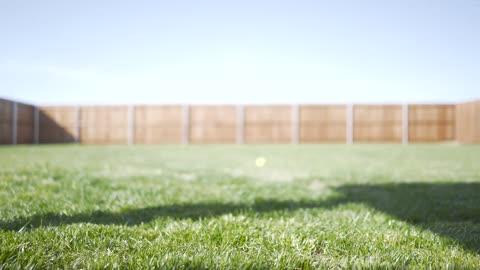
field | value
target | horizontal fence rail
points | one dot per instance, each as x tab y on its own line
229	124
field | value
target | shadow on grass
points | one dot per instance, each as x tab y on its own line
194	211
448	209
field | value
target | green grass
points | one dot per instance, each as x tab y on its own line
310	206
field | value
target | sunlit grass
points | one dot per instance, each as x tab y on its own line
309	206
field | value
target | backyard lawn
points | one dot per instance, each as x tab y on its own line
210	206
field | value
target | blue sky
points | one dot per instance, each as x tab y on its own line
250	51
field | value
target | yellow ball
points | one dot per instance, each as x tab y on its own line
260	162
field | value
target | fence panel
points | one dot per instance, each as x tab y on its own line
323	123
431	123
268	124
468	122
104	125
158	124
377	123
213	124
6	110
58	124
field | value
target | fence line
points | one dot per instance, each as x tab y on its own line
22	123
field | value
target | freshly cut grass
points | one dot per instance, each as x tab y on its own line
309	206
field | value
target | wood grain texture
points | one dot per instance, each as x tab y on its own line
467	128
57	124
213	124
268	124
160	124
6	109
323	123
431	123
377	123
25	123
104	125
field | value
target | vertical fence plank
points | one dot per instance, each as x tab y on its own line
131	125
78	125
186	124
295	124
405	123
14	123
349	124
240	124
36	126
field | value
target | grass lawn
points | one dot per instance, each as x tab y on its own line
310	206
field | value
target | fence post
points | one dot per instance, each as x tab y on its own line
36	126
14	123
240	124
131	124
405	123
186	124
350	124
295	124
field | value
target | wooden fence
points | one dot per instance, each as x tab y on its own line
253	124
17	122
211	124
6	134
58	124
268	124
468	122
323	123
377	123
158	124
432	123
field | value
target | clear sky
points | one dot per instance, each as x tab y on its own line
248	51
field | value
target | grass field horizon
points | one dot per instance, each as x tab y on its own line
210	206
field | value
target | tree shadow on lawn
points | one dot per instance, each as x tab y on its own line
448	209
